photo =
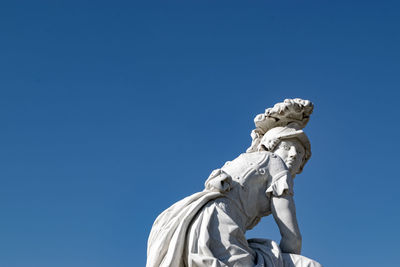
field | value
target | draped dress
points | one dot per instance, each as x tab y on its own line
208	228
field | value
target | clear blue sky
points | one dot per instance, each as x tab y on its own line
111	111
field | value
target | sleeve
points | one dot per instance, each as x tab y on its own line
281	180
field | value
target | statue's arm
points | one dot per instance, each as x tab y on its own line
284	212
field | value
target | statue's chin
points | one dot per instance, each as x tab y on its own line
289	166
292	171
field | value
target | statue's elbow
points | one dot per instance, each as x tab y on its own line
292	244
297	243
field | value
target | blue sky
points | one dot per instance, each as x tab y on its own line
113	111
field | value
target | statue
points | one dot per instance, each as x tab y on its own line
208	228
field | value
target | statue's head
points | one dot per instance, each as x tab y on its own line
290	143
279	130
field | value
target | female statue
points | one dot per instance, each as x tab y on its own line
208	228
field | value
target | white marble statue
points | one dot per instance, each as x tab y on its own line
208	228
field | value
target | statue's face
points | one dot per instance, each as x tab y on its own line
292	152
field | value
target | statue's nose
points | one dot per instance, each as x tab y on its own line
293	152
